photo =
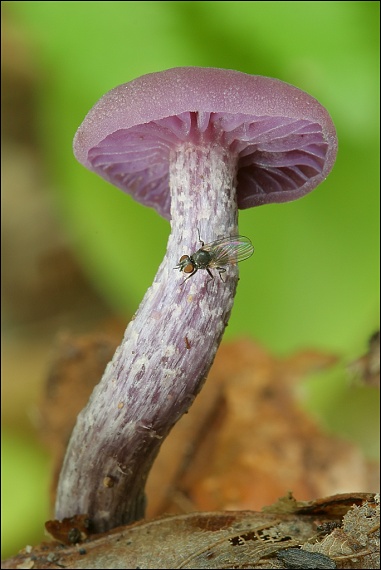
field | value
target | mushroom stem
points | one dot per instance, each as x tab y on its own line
166	353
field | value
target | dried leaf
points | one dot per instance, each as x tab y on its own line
245	441
225	540
356	544
254	441
71	530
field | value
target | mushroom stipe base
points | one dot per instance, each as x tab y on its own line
153	373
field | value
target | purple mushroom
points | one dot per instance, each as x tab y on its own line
196	144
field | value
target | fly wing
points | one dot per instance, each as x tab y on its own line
229	251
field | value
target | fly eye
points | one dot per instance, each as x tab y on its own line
189	268
183	257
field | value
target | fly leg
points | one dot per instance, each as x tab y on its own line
211	276
199	239
220	271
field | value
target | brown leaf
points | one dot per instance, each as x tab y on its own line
247	441
224	540
70	530
244	443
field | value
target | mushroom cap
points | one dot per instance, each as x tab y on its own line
283	139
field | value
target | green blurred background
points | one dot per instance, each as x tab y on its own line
314	278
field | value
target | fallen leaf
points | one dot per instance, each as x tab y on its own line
245	442
226	540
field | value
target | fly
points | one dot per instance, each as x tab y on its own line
216	255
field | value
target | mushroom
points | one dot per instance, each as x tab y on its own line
196	144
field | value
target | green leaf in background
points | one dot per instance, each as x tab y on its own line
25	479
314	278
